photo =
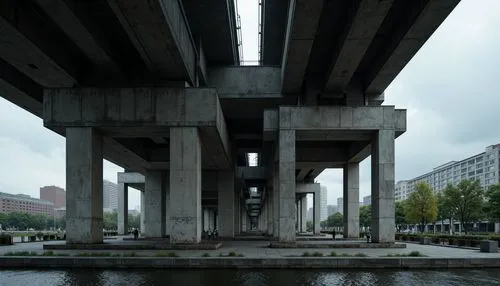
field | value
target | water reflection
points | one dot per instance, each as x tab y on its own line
247	277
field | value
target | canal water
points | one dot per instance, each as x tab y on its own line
248	277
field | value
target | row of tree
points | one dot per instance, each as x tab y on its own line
26	221
467	202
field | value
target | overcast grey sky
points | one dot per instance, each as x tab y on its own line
449	89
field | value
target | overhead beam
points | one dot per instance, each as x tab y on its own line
36	46
19	89
406	42
355	40
303	18
160	33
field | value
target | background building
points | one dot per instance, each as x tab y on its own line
23	203
367	200
340	205
54	194
109	195
331	209
310	214
323	212
483	167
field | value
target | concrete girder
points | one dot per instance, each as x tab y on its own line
303	18
355	40
251	173
152	110
78	20
407	39
160	33
246	82
36	47
19	89
274	24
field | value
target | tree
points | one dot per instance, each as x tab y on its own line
365	216
110	220
466	200
421	206
400	214
134	221
309	226
335	220
493	202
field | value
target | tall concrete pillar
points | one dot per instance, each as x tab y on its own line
304	213
351	200
143	213
225	183
317	211
383	221
263	214
166	208
122	209
84	200
270	215
237	211
154	212
286	175
276	202
185	185
244	219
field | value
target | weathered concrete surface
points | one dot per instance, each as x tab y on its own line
131	178
246	82
84	222
330	244
489	246
351	200
382	193
185	185
225	184
286	185
123	209
154	210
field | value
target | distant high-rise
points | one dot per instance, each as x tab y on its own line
367	200
310	214
332	209
53	194
340	205
109	195
323	203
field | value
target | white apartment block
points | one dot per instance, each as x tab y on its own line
483	167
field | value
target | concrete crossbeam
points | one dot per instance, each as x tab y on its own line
245	82
131	178
303	19
251	173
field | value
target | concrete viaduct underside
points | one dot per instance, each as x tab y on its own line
157	87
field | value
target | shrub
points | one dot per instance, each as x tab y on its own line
21	253
39	235
167	254
416	254
360	255
333	253
306	254
206	254
317	254
6	239
232	254
131	254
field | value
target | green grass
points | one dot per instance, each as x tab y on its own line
360	255
317	254
166	254
130	254
206	254
93	254
21	253
411	254
333	254
230	254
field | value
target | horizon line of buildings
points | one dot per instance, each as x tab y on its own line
52	201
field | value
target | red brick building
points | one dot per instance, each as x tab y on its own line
25	204
54	194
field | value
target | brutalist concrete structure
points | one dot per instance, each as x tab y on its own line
157	88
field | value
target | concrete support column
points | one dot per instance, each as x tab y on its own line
185	185
304	213
154	196
276	202
383	221
497	227
351	200
317	211
166	190
237	211
286	175
84	200
225	182
244	217
270	215
263	214
122	209
143	213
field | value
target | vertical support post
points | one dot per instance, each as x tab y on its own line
122	209
383	221
351	200
143	213
154	205
225	182
84	218
286	176
317	210
185	185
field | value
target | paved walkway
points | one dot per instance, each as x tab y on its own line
260	249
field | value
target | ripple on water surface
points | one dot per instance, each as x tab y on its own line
248	277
